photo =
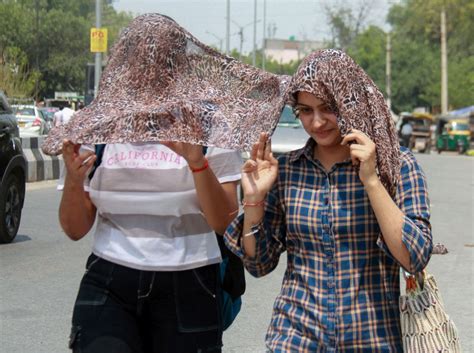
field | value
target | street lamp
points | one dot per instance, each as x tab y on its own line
254	53
264	29
218	38
240	33
98	55
227	29
444	64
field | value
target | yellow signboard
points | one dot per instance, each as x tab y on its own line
98	40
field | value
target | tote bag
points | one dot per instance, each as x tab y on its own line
426	327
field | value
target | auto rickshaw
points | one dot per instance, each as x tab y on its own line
452	135
420	140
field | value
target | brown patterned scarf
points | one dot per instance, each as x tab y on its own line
161	83
332	76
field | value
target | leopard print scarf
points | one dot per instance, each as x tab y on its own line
332	76
162	84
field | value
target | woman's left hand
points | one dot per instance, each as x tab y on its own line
193	154
363	153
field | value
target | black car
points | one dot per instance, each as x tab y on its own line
12	173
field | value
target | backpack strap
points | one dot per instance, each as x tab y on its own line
99	152
233	281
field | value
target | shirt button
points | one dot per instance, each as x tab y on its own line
331	284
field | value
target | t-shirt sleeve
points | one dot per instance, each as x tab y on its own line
226	164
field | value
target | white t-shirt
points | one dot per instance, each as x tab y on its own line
63	116
148	211
407	129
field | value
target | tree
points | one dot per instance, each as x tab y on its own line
271	65
416	62
346	23
416	52
16	79
369	52
57	44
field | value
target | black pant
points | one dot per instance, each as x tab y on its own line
406	141
122	310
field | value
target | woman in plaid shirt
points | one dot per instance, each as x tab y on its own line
349	208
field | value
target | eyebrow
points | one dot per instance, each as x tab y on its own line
323	104
308	106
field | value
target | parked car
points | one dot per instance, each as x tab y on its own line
12	173
289	134
31	121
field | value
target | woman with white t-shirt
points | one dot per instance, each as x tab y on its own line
151	280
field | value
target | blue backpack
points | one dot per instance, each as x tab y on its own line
232	273
232	277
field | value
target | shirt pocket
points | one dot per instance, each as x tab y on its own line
196	296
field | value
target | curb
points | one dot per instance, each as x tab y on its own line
39	166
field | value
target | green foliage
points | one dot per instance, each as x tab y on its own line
271	65
369	52
341	22
346	22
40	57
15	77
416	51
461	81
416	64
54	36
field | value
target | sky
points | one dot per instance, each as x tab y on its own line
206	19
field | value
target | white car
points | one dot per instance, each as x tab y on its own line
31	121
289	135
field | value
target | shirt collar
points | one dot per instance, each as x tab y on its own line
307	151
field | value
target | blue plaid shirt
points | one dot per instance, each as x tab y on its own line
341	285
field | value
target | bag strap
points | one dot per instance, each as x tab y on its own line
413	281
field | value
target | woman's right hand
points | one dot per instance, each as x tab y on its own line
77	164
260	172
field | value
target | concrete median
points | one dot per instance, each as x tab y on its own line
40	166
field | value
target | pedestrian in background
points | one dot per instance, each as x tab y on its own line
62	116
407	131
349	209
